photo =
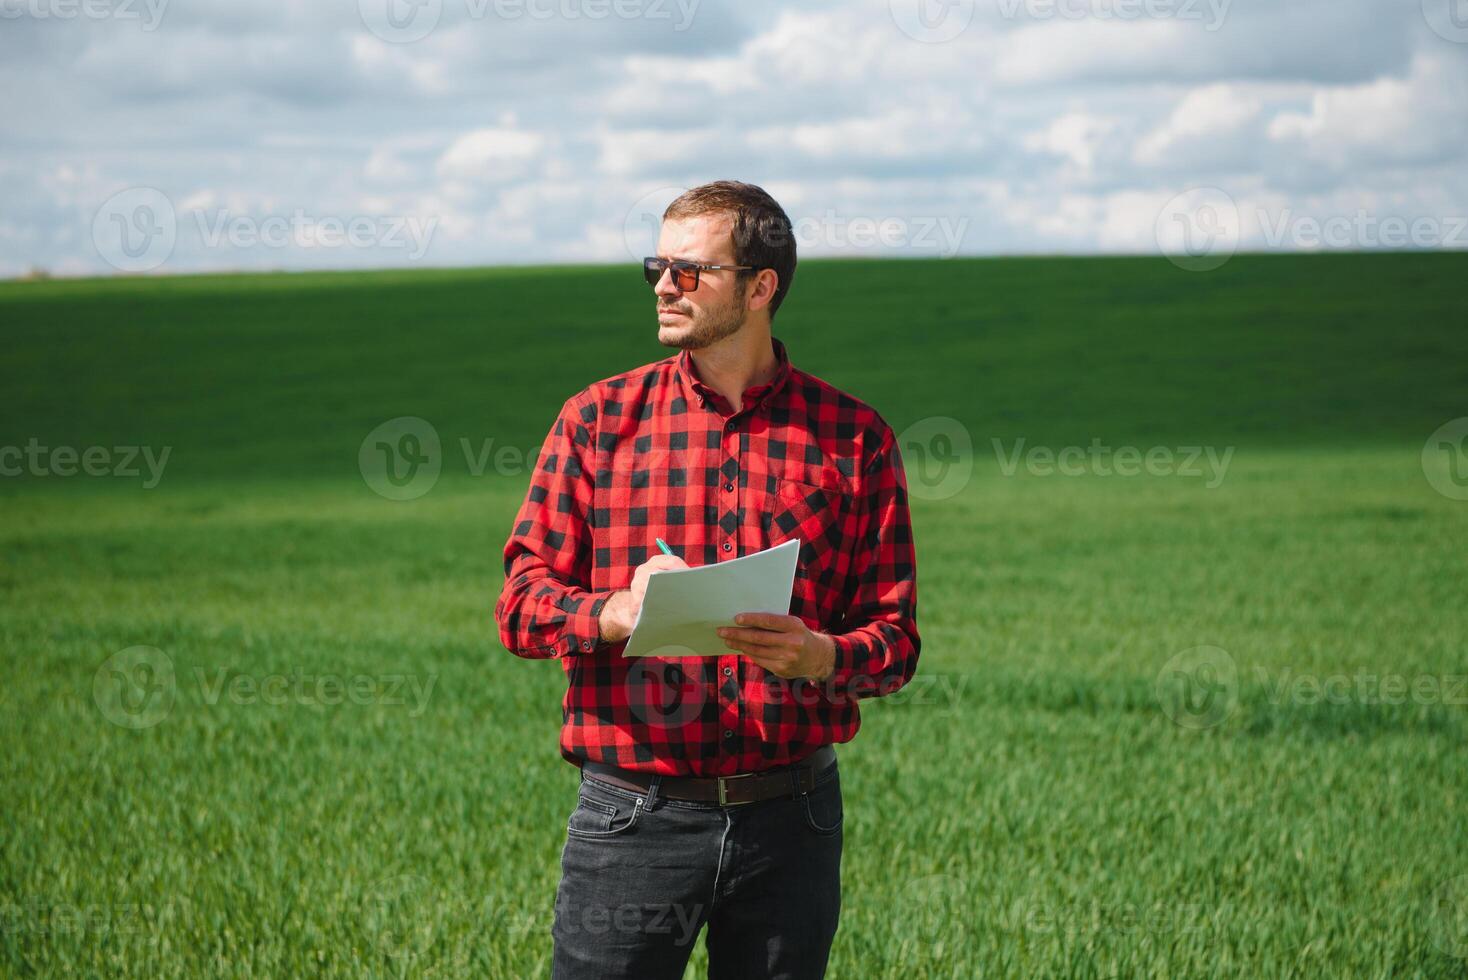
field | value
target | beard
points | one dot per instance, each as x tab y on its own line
701	328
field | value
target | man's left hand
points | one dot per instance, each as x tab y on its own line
783	645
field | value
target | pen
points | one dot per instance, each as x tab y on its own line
664	545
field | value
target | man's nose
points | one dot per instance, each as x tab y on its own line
666	286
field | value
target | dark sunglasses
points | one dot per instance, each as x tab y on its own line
685	274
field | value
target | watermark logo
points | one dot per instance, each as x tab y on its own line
1448	19
395	914
933	908
401	458
135	688
1198	230
1199	688
410	233
400	21
138	687
1201	229
135	230
644	221
665	694
938	457
1447	918
1445	459
932	21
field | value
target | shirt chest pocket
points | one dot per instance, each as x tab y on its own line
813	503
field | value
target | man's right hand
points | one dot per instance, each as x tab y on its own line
620	611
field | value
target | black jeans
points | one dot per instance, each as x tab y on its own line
641	875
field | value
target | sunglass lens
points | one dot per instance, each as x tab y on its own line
685	278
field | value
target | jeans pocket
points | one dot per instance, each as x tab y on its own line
824	812
603	814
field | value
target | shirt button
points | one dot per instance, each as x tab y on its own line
728	486
728	671
728	546
586	644
728	733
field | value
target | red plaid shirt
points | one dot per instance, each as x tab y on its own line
654	452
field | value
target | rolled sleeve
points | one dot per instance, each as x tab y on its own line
546	608
878	645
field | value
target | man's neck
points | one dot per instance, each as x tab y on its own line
736	363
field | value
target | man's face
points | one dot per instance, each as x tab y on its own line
717	308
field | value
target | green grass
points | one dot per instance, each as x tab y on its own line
1026	807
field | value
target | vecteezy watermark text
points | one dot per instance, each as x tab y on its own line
402	458
1361	687
1210	12
1201	228
41	916
831	232
36	459
148	12
938	21
303	230
1099	459
299	686
406	21
136	230
138	687
631	919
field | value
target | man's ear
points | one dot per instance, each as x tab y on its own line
766	281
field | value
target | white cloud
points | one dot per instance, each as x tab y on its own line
1419	118
489	156
1074	136
1208	123
630	152
534	138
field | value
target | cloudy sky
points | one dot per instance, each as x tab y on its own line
179	135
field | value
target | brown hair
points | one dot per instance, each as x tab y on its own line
762	234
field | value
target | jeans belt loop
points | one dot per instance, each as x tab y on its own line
652	791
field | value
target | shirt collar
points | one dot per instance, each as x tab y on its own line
754	397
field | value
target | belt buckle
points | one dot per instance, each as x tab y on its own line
723	793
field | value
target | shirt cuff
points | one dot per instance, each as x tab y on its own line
583	626
851	653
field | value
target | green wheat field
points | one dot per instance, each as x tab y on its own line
1193	692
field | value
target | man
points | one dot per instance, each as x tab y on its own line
709	793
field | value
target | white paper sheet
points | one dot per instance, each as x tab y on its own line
684	608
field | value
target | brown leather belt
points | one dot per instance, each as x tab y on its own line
748	787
